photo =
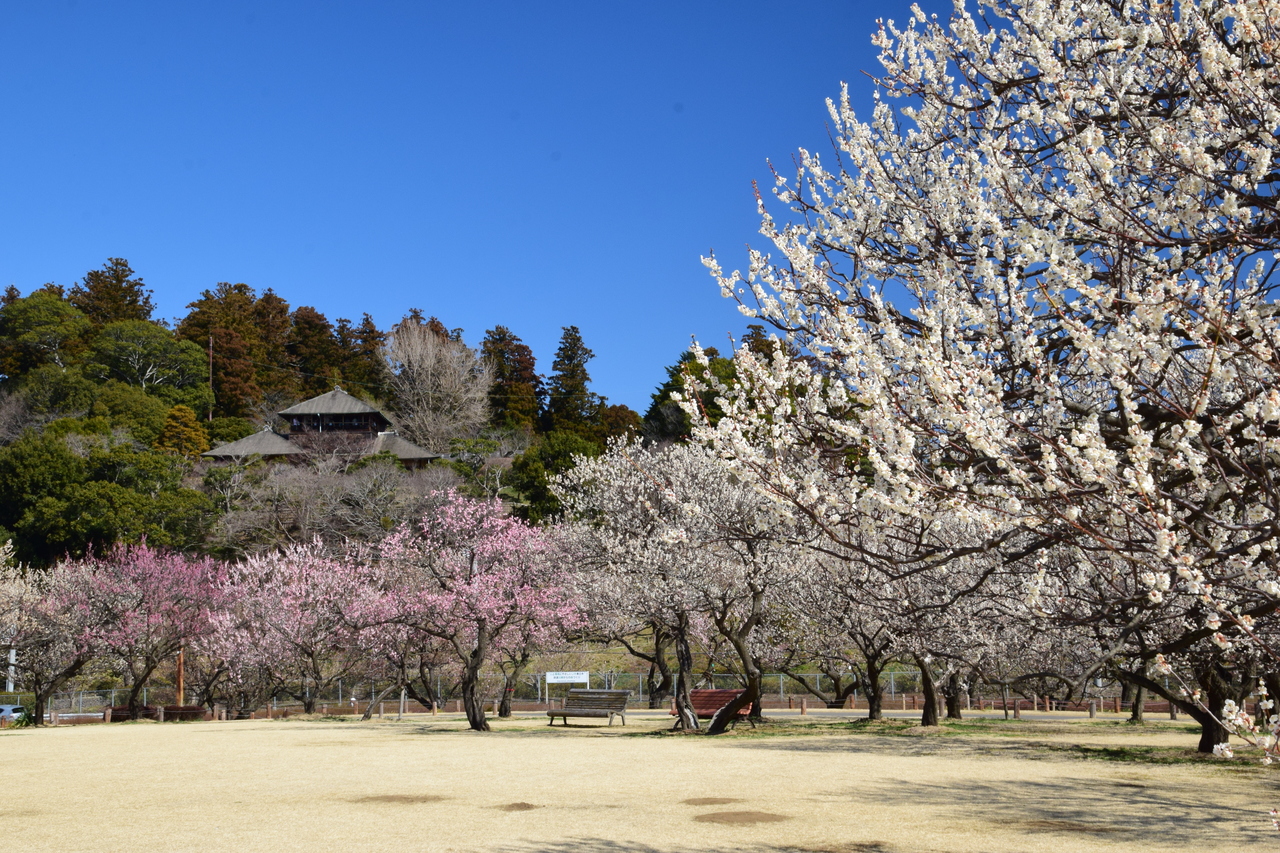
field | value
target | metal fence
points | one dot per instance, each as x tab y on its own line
530	688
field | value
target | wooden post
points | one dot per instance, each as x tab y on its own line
913	702
791	703
182	676
160	714
435	708
804	705
459	706
1092	708
1117	704
495	707
1017	709
382	707
1173	711
904	701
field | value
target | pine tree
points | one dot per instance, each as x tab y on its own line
517	391
570	404
111	294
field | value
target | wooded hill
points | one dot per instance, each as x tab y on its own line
104	411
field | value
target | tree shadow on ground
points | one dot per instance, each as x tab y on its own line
606	845
1158	812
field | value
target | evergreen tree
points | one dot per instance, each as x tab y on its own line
112	294
361	355
314	351
571	406
272	323
665	420
181	434
42	328
531	473
516	393
226	314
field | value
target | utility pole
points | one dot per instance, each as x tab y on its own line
214	399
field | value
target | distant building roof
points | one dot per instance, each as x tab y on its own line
264	443
336	402
401	448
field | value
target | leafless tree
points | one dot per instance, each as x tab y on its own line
439	386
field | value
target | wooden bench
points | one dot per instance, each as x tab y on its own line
707	702
592	703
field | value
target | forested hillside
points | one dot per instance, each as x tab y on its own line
105	410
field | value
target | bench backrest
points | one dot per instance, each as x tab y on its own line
710	701
597	700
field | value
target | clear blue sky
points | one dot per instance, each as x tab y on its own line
530	164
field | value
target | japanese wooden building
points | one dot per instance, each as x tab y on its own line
334	421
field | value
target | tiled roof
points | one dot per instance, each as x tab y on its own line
336	402
264	443
402	448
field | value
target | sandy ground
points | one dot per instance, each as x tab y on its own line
425	784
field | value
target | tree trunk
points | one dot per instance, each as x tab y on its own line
659	687
929	717
472	702
952	693
750	696
509	688
686	717
1138	695
135	692
874	692
368	712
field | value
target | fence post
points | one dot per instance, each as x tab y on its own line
1173	711
1092	708
382	707
804	705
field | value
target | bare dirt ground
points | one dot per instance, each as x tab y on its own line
425	784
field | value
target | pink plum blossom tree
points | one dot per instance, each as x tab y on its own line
478	579
146	604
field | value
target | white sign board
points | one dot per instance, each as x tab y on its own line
568	678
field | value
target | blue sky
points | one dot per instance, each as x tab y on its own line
530	164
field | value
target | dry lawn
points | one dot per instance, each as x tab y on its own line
427	785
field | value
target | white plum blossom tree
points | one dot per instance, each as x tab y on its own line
1038	295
